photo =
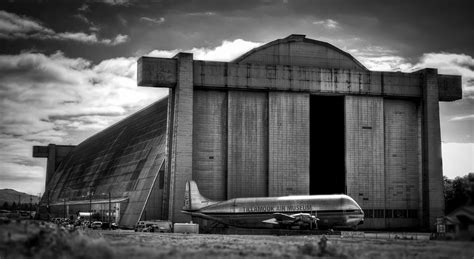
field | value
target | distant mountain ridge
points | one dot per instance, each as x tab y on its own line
10	196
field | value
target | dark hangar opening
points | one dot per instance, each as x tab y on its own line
327	156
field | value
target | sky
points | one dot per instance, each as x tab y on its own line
68	68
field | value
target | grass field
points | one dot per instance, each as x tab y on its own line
237	246
24	241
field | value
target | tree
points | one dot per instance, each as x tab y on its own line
5	206
456	192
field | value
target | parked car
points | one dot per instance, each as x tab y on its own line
161	226
113	225
96	225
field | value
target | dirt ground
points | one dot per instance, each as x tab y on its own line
39	240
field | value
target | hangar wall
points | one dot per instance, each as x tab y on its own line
264	151
210	143
403	161
247	144
382	147
153	203
288	144
365	175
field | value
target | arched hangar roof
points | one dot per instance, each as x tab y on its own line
297	50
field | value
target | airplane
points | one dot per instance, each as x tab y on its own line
302	211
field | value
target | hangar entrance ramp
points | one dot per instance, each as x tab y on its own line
327	154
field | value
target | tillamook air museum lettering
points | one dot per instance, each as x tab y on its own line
302	207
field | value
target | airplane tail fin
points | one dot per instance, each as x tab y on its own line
193	200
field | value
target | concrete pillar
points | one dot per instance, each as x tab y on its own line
182	136
51	163
432	173
55	154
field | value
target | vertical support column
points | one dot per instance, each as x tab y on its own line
51	163
169	141
432	173
55	154
182	136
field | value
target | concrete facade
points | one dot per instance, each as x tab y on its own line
392	138
243	129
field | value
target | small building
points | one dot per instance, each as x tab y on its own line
460	223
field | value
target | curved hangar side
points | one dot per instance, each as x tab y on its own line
122	161
297	50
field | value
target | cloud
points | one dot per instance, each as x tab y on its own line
119	39
386	63
382	59
202	14
328	23
83	8
43	97
16	26
457	159
13	26
29	179
18	169
153	20
461	118
115	2
451	63
83	18
56	99
227	51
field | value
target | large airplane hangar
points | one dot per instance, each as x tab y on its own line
295	116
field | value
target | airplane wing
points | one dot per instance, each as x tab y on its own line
271	221
282	216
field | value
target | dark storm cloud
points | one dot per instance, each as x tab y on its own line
14	27
72	116
409	28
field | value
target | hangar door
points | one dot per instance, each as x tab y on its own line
327	161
